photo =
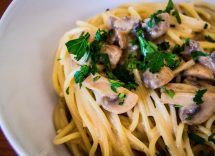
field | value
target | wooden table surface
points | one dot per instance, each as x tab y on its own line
5	148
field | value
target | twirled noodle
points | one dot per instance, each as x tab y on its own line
88	129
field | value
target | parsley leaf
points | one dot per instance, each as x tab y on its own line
154	59
115	84
163	46
154	19
96	78
121	97
170	92
133	63
209	39
101	35
78	46
212	138
82	74
205	26
198	97
195	54
178	106
123	75
177	49
67	90
196	138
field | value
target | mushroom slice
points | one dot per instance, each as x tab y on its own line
159	29
156	80
199	71
208	61
114	54
190	112
191	46
109	99
197	114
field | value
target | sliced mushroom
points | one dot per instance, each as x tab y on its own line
156	80
190	112
160	28
190	47
199	71
109	99
197	114
208	61
121	27
114	53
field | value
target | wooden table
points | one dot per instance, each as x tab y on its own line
5	148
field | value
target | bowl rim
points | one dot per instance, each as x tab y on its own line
6	130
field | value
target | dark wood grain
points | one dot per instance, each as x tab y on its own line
5	148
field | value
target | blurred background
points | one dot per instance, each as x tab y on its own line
5	148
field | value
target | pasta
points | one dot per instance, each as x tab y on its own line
150	127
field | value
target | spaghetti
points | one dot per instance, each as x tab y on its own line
149	127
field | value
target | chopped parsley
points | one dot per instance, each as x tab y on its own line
177	49
188	118
163	46
58	59
115	84
82	74
178	106
96	78
78	46
205	26
209	39
170	8
195	54
212	138
198	97
67	90
196	138
154	59
121	97
133	63
169	92
101	35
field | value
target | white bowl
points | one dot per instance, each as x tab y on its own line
29	35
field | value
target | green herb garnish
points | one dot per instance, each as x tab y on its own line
205	26
78	46
212	138
163	46
121	97
198	97
177	49
58	59
196	138
196	54
209	39
188	118
96	78
67	90
82	74
101	35
169	92
115	84
170	8
154	59
178	106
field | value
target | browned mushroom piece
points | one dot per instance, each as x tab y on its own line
114	53
190	112
159	29
208	61
156	80
190	47
202	84
199	71
121	27
109	99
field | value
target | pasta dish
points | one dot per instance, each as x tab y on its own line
138	79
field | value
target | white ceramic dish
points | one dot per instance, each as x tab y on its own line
29	34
